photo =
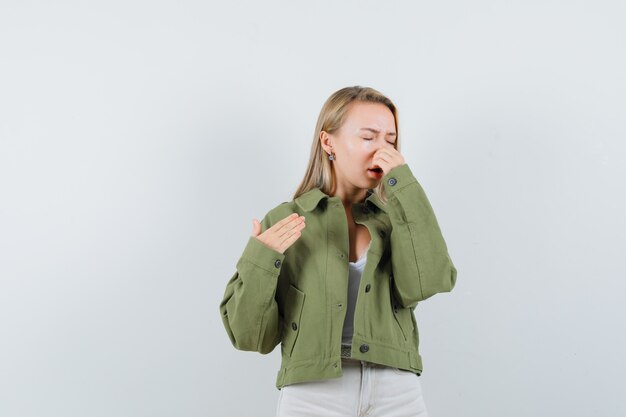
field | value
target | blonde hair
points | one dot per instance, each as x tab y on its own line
319	172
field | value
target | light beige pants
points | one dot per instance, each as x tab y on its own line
364	390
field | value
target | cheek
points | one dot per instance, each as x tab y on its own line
359	153
360	148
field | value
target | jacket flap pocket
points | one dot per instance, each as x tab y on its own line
294	304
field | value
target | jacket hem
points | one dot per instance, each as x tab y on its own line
319	369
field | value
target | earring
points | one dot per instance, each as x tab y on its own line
331	157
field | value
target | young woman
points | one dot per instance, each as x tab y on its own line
335	274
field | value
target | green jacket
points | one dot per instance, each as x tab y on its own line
299	297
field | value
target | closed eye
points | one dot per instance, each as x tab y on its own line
391	143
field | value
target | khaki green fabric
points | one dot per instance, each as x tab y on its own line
298	299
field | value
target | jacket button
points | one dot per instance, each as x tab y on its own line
382	233
364	348
367	288
294	326
392	181
277	263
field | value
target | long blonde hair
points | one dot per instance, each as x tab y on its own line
319	172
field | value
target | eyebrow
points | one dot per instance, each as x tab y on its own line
377	131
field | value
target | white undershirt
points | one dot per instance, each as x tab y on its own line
355	270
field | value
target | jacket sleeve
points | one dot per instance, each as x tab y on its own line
249	311
419	256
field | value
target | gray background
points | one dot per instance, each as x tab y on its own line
138	140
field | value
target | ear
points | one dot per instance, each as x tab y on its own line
326	141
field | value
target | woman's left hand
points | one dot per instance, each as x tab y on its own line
387	159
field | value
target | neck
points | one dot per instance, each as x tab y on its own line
350	196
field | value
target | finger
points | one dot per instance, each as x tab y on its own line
283	222
394	157
288	226
295	235
256	227
385	151
381	160
382	155
296	229
277	237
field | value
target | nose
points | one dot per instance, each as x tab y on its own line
382	145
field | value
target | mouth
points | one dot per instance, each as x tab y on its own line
376	172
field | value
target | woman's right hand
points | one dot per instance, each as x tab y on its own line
281	235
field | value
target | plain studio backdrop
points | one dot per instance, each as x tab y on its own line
138	139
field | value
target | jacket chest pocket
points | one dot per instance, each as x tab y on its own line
294	303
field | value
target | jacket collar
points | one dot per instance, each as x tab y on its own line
309	200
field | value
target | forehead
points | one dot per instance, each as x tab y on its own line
377	115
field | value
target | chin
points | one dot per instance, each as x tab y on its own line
371	185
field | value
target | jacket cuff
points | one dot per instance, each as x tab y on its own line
398	178
263	256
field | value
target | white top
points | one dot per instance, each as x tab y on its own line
355	270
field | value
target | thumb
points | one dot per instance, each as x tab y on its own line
256	228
